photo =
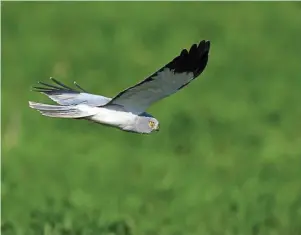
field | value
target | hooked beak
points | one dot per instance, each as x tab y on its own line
157	128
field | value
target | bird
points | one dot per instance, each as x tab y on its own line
127	110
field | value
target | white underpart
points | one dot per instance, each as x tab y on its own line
109	117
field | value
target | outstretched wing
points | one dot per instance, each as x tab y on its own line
172	77
65	95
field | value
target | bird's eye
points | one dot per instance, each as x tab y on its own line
151	124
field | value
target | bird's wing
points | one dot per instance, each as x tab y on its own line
65	95
169	79
64	111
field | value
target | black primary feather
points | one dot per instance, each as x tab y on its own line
59	88
193	61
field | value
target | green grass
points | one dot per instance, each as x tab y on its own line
227	160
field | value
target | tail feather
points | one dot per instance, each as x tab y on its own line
70	111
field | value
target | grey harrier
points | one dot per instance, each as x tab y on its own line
127	110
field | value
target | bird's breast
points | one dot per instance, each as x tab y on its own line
113	117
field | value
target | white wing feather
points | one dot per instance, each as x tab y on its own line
81	98
64	95
67	111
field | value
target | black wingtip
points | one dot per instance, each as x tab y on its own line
194	60
79	87
204	45
54	89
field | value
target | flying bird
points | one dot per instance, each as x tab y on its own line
127	110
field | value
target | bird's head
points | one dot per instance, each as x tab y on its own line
145	124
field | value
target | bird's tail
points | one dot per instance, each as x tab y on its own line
59	111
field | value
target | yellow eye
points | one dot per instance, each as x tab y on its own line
151	124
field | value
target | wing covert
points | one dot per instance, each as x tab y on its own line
169	79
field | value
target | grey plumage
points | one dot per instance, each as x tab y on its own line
143	126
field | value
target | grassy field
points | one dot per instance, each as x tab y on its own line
227	160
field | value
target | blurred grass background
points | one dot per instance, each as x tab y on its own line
228	157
